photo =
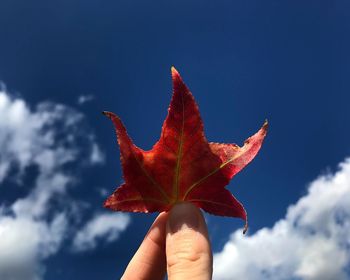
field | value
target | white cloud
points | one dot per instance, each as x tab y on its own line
48	137
311	242
82	99
35	137
106	226
104	192
96	154
22	237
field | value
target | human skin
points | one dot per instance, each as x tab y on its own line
177	244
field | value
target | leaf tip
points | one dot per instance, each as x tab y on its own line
107	114
265	127
245	228
173	70
111	115
175	74
266	124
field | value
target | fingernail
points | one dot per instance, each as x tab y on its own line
183	215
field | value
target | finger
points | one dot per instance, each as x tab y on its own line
149	260
188	250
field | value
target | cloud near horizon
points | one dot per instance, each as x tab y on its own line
311	242
48	138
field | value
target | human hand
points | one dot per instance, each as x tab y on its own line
177	243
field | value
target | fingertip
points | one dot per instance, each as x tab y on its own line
188	250
184	215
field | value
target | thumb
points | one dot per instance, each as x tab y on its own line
188	249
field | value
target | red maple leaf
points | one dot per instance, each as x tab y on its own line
182	165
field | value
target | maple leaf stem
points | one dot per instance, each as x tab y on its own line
206	177
179	155
200	181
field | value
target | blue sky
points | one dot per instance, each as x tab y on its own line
63	63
